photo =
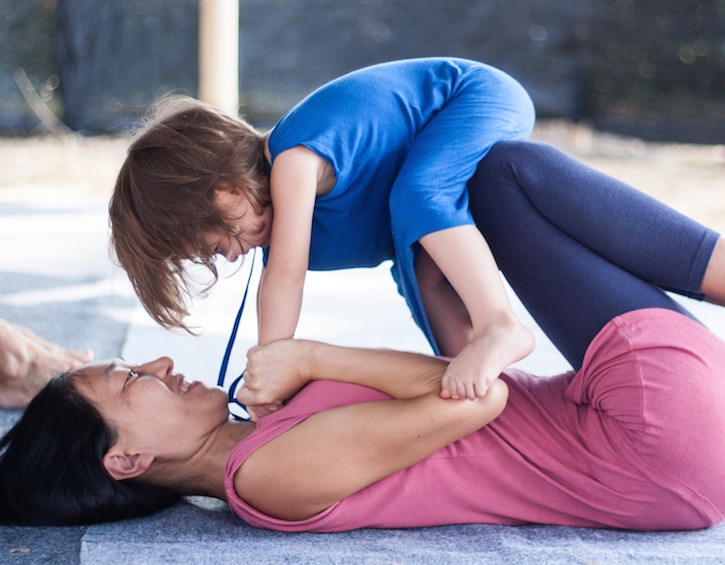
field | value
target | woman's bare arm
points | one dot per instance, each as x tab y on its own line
276	371
337	452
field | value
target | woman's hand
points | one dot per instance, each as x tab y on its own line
275	372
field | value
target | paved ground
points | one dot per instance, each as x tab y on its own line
55	277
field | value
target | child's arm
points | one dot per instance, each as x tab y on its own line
293	186
499	339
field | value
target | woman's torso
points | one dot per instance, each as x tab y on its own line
599	448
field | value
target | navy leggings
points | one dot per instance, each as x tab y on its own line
579	247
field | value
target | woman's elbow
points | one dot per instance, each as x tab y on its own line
484	410
496	399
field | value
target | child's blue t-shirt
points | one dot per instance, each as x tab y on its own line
403	139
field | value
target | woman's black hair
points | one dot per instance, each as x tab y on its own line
51	466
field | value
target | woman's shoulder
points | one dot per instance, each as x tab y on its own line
313	398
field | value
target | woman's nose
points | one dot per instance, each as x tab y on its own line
160	367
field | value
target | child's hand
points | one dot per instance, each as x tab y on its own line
471	373
275	372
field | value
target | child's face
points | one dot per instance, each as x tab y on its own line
250	229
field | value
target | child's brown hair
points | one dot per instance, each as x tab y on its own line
163	200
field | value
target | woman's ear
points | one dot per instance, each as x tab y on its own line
121	465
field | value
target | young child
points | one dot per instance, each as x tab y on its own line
372	166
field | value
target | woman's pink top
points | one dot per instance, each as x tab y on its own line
635	439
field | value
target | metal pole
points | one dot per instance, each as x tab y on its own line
219	54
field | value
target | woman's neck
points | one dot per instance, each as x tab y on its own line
204	474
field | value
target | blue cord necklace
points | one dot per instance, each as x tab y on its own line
237	410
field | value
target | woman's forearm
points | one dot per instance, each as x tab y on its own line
276	371
396	373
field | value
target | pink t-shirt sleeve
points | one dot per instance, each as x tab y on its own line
315	397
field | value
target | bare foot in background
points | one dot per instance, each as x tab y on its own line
28	362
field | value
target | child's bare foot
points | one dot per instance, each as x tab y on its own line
481	361
28	362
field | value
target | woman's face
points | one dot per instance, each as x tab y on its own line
251	229
153	407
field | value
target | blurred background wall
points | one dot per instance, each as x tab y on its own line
650	68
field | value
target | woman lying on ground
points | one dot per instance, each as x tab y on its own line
632	438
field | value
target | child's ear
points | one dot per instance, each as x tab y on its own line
226	197
226	188
121	465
